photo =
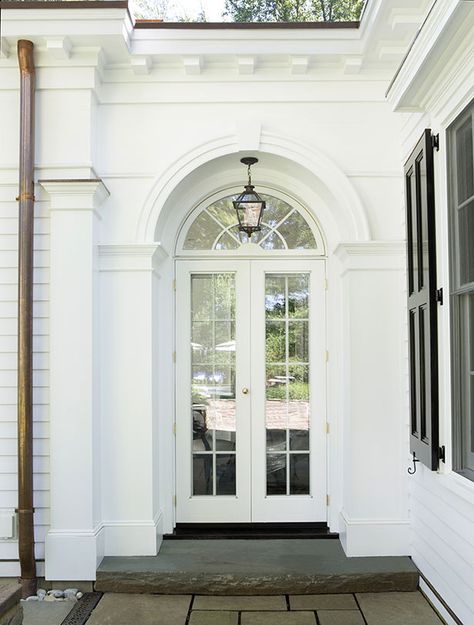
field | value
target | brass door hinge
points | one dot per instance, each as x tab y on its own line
174	501
174	428
327	356
325	284
174	356
174	284
328	428
328	500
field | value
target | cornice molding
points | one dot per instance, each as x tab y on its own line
445	20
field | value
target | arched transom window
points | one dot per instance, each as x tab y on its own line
284	227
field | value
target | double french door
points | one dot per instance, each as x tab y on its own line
250	389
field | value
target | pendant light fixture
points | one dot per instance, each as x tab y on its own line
249	205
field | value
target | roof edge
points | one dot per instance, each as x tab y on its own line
157	24
60	4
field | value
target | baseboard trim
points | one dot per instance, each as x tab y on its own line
73	553
134	537
374	537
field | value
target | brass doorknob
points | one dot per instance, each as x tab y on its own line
245	390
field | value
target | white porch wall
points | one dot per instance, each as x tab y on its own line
132	130
374	516
131	514
441	504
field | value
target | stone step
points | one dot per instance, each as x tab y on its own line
255	567
11	612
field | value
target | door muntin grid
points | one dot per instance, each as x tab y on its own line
213	406
287	399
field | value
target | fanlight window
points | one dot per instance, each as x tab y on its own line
283	228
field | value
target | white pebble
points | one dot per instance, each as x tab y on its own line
70	593
32	598
79	594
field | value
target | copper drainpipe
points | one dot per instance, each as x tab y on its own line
26	537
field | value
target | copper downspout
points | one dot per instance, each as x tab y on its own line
26	537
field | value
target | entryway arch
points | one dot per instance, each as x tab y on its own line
285	164
336	212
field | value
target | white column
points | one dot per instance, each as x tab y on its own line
73	544
374	424
131	510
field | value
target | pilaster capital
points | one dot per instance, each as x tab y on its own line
86	194
131	256
371	255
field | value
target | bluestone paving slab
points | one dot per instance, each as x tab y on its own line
278	618
117	609
340	617
205	617
239	603
254	567
323	602
45	612
397	608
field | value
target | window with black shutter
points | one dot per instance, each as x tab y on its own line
422	302
461	239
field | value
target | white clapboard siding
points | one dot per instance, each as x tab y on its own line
443	540
8	374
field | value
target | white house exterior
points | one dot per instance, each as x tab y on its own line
138	129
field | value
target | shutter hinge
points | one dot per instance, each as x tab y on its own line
325	284
328	500
174	501
174	428
174	356
442	453
439	296
435	142
328	428
327	356
174	284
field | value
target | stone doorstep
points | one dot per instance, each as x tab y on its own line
10	595
14	616
183	583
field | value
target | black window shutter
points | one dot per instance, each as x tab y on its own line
422	302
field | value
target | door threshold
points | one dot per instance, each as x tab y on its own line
250	531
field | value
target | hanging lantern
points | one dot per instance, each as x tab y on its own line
249	205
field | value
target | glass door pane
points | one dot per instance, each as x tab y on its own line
287	407
213	405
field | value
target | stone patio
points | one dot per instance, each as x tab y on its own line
395	608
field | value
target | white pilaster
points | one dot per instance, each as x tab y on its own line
374	424
74	543
131	506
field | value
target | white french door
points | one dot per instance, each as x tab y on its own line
250	388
